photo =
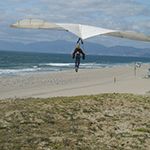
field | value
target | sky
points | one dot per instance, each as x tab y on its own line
131	15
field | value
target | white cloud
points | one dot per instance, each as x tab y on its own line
13	1
115	8
123	8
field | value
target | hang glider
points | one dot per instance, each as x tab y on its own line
82	31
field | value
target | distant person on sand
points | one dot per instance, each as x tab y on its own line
114	79
78	51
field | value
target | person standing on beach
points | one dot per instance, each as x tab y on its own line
78	51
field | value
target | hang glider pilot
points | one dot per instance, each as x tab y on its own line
77	53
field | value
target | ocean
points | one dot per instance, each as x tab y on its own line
25	63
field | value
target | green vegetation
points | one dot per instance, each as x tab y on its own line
142	130
115	119
105	121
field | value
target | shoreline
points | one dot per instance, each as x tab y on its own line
11	74
69	83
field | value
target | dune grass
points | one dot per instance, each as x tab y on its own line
105	121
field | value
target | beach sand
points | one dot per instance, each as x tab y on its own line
70	83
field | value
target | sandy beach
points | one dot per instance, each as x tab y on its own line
70	83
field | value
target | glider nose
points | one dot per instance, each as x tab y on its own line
13	25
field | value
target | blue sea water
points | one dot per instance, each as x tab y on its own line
24	63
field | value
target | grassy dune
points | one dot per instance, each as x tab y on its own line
105	121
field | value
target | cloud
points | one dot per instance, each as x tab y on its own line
115	8
13	1
123	8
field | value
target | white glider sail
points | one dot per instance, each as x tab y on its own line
82	31
36	24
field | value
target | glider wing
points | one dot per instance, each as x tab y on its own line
82	31
36	24
130	35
